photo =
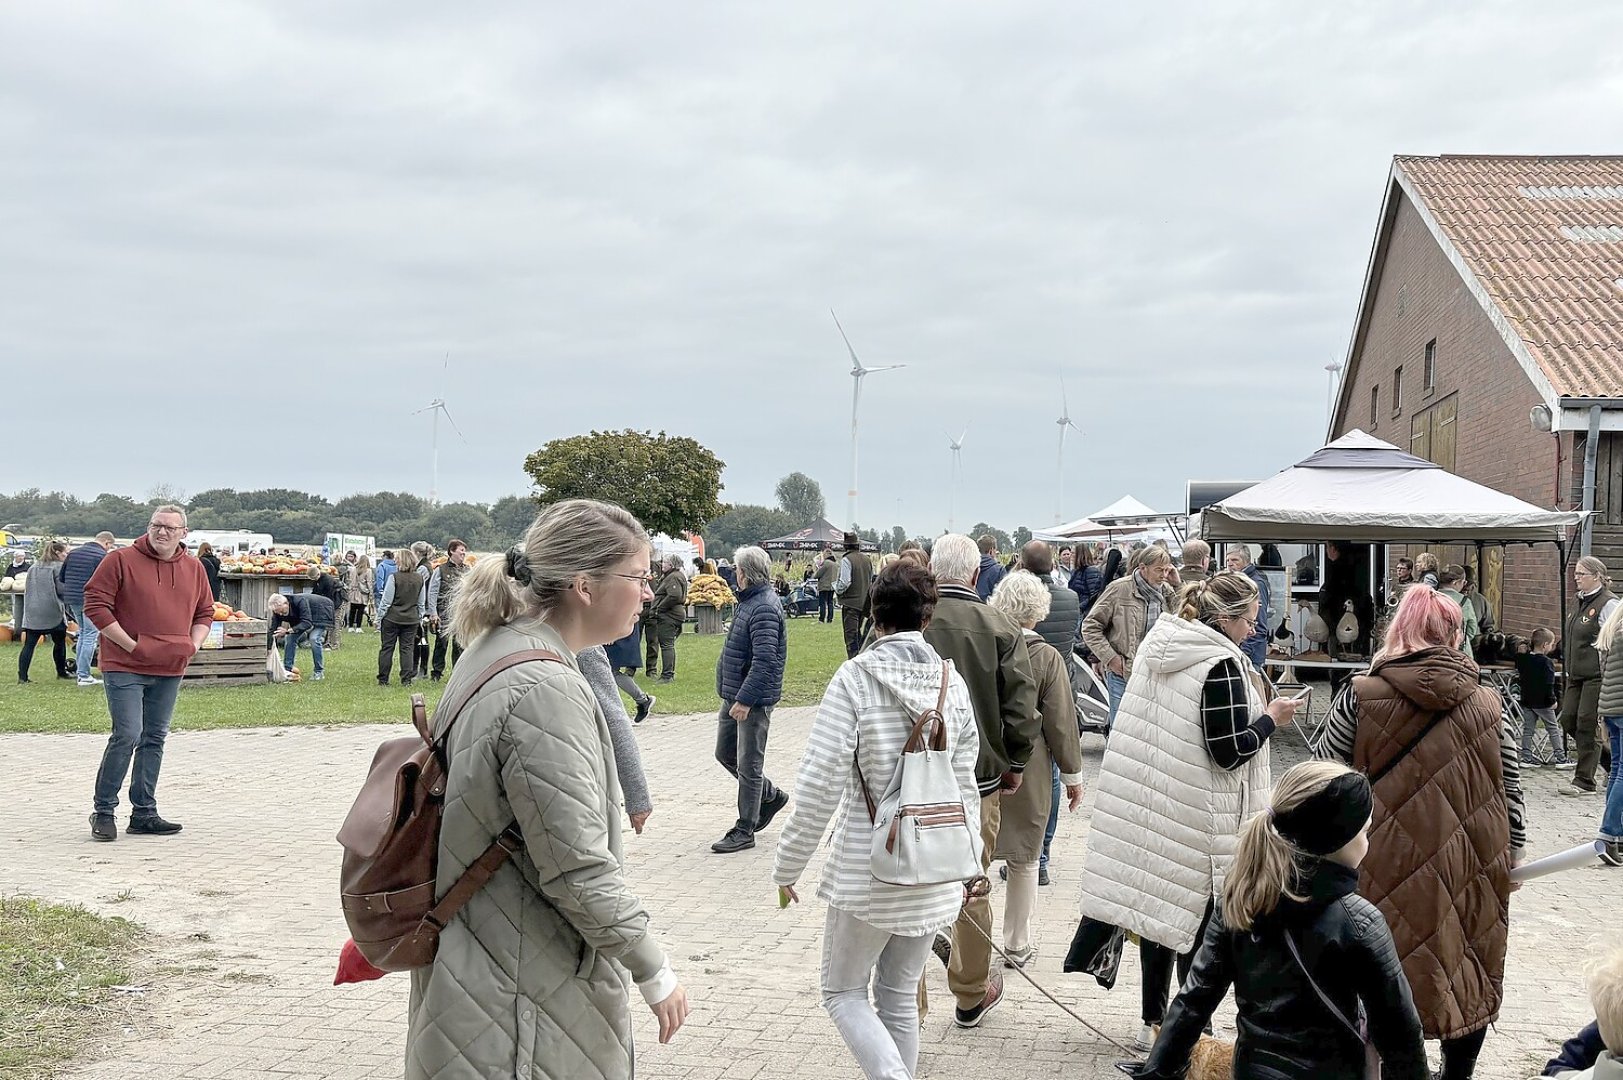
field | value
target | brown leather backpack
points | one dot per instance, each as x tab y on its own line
391	839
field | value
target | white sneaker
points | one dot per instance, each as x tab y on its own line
318	676
89	680
1146	1040
1575	790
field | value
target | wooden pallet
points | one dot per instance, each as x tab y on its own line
240	659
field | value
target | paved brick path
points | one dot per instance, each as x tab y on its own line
247	928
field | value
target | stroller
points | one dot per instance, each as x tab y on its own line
1092	703
802	600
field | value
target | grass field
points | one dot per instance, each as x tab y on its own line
60	963
350	694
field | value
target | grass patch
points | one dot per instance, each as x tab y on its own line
57	965
350	693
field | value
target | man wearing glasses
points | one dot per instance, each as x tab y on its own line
153	606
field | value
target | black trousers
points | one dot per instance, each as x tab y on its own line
851	622
825	605
439	653
59	649
403	638
1157	962
357	615
1459	1055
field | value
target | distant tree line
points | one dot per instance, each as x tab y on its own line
292	517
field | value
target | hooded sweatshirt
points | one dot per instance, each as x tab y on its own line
856	740
157	601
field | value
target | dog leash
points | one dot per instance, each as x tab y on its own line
1041	989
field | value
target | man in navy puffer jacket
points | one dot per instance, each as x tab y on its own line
749	680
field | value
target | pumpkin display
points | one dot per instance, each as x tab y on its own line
709	590
5	634
6	583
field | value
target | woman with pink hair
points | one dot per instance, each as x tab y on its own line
1443	761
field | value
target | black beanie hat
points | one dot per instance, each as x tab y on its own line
1327	821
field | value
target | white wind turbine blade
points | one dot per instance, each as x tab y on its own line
454	428
1065	401
856	365
886	367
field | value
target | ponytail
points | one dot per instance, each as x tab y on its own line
1265	866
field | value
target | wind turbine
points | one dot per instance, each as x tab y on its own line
437	406
858	372
1064	422
957	446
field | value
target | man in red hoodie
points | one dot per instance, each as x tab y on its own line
153	605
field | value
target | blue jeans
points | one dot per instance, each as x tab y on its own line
1115	687
316	635
1053	814
88	636
1611	821
141	706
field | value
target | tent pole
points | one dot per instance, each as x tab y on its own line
1561	583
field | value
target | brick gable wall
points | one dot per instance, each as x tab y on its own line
1418	297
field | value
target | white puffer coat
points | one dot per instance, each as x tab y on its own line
1166	818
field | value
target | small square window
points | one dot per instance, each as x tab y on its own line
1397	390
1374	405
1431	364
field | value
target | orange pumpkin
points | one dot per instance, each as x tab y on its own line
5	633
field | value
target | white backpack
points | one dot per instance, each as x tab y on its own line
921	833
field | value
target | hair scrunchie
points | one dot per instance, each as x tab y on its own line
518	565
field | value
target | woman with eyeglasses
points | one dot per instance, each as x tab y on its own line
1186	768
531	976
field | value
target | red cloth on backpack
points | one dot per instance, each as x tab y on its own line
353	967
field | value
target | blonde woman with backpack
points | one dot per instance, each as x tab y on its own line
531	976
875	933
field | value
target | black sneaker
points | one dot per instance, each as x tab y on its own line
668	677
968	1018
733	841
769	810
151	825
942	947
1611	854
103	827
644	709
1042	875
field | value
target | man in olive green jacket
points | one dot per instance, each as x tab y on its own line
989	651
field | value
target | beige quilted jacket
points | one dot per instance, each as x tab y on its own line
530	980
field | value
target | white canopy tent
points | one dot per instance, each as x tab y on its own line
1359	488
1127	511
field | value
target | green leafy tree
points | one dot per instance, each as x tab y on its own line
801	498
745	524
468	522
981	528
898	537
670	482
1022	536
510	515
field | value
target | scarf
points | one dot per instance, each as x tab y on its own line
1154	602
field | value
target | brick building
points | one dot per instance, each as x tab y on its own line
1489	329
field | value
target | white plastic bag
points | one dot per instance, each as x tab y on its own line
273	666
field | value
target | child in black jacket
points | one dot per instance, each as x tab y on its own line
1311	962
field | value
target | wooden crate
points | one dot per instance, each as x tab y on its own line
240	659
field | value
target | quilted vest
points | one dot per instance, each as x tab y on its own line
1611	679
1166	819
1439	846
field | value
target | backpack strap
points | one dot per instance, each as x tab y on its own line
913	736
481	870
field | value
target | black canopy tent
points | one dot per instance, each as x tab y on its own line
817	536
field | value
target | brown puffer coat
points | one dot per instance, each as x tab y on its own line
1439	849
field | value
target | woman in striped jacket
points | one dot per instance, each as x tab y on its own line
877	933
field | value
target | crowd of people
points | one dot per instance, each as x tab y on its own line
1358	908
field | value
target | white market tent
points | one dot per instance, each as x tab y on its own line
1359	488
1080	529
1127	511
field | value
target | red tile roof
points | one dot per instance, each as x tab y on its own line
1544	238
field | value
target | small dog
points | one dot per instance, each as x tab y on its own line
1211	1059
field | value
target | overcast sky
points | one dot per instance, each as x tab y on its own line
237	240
